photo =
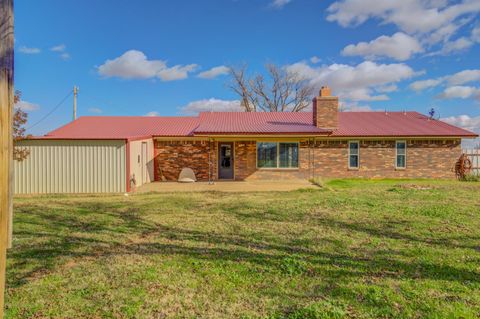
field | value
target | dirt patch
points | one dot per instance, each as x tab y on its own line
413	187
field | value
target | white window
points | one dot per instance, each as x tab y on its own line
277	155
401	154
353	154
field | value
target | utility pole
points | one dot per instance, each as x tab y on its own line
75	92
6	139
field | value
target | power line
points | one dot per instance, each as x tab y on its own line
53	110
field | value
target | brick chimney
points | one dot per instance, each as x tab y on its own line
325	109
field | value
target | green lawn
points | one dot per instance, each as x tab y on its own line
352	249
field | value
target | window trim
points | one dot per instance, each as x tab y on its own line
277	157
358	155
396	154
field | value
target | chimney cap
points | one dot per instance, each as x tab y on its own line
325	91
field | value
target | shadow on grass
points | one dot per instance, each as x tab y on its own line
97	230
100	238
46	239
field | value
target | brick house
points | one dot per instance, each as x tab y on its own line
242	146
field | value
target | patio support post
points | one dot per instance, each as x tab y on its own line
210	164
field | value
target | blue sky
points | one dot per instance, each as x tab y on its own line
169	57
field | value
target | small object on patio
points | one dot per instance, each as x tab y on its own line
133	183
186	180
187	176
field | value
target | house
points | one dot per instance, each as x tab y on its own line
114	154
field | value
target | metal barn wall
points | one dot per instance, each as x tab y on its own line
71	166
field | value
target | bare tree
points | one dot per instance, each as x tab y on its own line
283	91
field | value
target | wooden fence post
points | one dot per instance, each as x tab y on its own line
6	141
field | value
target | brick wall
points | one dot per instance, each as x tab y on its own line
172	156
325	111
425	158
245	159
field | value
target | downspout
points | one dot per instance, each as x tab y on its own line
310	147
314	145
210	164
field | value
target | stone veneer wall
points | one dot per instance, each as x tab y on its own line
172	156
425	158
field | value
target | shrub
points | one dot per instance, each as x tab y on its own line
471	178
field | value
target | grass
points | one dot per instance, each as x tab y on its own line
352	249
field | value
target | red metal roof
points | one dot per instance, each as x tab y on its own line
124	127
351	124
232	123
395	124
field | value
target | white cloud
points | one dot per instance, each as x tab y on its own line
214	72
442	34
95	110
134	64
476	34
471	123
27	50
153	113
387	88
65	56
456	79
358	82
425	84
460	92
460	44
279	3
464	76
27	106
431	22
211	105
59	48
411	16
399	46
315	59
465	121
348	106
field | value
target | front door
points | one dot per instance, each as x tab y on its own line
225	160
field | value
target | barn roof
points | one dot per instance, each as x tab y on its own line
351	124
124	127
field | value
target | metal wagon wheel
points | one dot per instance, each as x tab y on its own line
463	166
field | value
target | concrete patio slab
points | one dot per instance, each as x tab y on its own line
226	186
